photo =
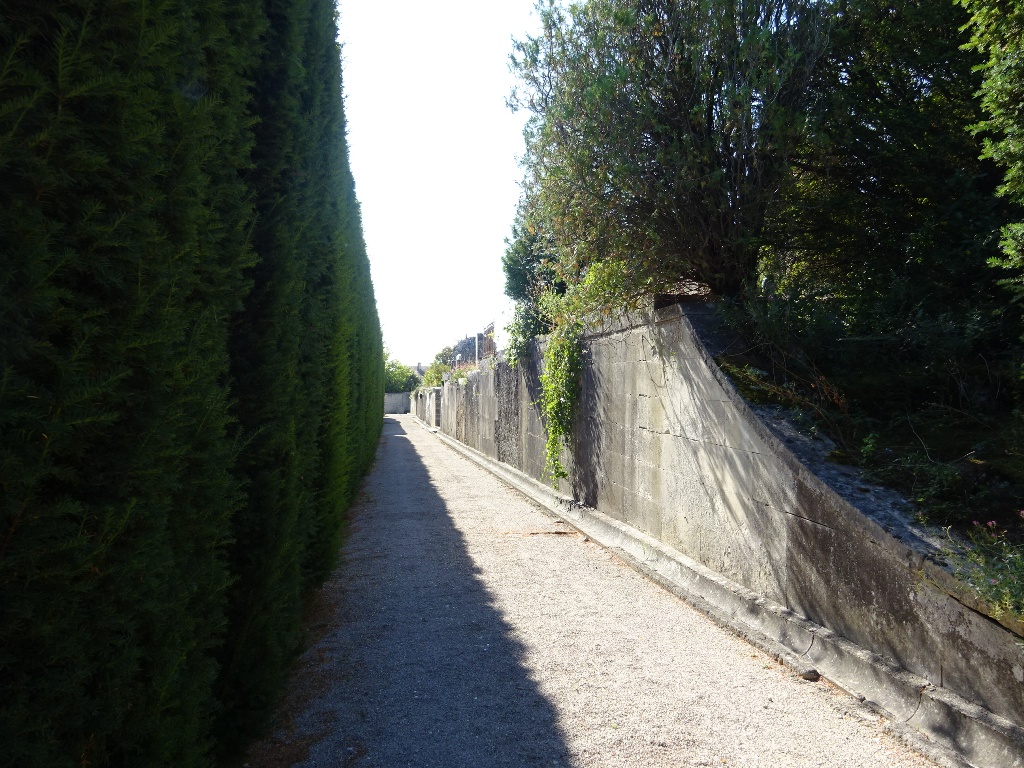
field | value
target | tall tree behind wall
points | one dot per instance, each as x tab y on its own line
660	133
893	217
307	392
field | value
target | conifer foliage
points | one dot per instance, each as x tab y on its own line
190	367
302	453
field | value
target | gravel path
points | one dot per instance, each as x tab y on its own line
467	629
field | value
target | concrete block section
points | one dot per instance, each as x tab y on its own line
397	402
975	733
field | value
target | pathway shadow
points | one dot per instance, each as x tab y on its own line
427	671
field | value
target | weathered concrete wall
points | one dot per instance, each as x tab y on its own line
397	402
666	445
493	411
427	405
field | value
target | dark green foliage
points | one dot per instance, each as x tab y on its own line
303	380
130	166
349	355
892	218
528	322
880	277
398	377
529	260
998	34
116	468
530	267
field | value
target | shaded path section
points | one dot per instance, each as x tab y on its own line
466	628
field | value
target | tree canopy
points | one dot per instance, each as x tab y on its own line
829	171
660	134
398	377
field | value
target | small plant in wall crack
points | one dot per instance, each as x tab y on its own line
561	384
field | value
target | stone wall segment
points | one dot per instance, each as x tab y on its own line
397	402
666	448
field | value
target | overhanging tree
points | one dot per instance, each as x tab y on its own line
661	133
660	137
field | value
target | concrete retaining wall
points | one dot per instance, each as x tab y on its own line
667	449
426	404
397	402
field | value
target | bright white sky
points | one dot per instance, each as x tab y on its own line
434	152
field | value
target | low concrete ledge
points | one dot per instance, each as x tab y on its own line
954	730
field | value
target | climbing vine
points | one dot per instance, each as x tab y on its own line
561	384
527	323
559	313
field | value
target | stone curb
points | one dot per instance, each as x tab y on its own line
942	725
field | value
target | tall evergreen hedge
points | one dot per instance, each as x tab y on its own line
299	351
190	369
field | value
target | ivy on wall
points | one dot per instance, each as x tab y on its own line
561	386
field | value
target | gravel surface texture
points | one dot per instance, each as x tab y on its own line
468	629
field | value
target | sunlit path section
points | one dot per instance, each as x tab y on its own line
466	628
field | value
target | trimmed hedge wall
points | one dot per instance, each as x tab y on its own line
190	367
